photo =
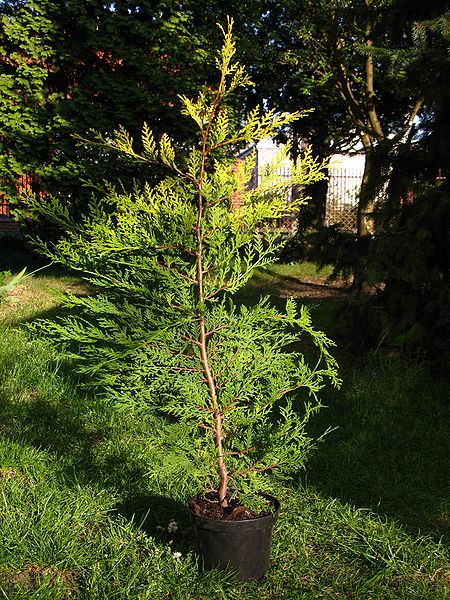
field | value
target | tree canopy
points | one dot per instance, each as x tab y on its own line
355	62
69	66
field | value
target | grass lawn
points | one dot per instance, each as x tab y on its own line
83	518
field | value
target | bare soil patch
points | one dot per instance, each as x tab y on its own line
33	576
301	287
317	288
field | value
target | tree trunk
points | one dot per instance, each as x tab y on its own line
313	215
366	203
366	206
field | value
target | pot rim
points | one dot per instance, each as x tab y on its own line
271	516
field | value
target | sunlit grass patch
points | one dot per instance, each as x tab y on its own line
37	297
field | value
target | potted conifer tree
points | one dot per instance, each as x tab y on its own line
164	328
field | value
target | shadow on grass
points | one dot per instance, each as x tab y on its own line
86	452
390	451
329	305
165	519
271	281
389	454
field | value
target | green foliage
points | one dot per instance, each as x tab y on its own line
409	256
69	66
370	67
412	259
163	328
329	245
26	99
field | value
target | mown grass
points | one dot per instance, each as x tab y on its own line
390	451
82	518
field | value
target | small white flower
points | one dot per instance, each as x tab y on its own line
172	527
177	555
160	528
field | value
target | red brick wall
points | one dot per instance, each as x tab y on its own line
7	225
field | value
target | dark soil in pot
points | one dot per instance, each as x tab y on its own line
233	537
207	506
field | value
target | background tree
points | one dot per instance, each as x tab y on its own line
328	52
28	115
411	256
69	66
286	78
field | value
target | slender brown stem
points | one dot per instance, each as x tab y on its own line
186	338
222	383
203	333
176	271
230	404
211	331
205	408
223	369
256	470
218	417
221	289
180	248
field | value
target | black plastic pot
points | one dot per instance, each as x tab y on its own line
243	546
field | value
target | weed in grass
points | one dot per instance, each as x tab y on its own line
38	295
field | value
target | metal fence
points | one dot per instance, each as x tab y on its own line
341	204
344	183
342	197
